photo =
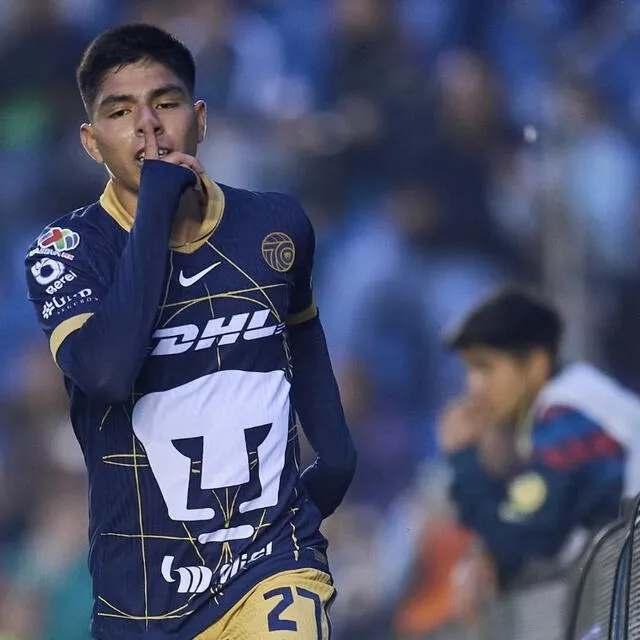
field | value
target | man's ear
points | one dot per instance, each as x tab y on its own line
201	117
88	139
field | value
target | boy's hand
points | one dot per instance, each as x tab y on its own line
461	425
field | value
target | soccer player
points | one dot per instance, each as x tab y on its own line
538	451
181	314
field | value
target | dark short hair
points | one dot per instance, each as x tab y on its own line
513	320
129	44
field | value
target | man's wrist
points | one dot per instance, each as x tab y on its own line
167	175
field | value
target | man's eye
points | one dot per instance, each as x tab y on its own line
168	105
119	113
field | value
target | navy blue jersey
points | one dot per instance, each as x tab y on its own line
194	481
572	478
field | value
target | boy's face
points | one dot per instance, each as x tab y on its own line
501	382
132	102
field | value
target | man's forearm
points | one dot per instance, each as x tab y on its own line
105	355
316	398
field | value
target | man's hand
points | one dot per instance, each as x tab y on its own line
175	157
182	160
461	425
498	451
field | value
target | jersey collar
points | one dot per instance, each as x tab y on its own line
111	204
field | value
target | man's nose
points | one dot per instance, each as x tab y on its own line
148	122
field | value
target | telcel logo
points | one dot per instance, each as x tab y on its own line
197	579
231	569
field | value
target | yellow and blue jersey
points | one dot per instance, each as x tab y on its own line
572	477
195	489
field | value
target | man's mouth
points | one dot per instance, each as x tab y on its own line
140	156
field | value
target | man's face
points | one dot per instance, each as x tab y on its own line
500	382
133	102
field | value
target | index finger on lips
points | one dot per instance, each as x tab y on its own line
150	145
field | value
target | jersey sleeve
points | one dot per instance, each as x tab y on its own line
575	474
302	307
316	399
63	285
100	335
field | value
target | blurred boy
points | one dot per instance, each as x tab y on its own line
538	451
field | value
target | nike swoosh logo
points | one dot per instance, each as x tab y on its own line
187	282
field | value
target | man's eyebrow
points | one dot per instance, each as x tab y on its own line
114	98
118	98
166	89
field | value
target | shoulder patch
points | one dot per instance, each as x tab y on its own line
58	239
278	251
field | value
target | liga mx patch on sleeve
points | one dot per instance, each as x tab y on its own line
59	239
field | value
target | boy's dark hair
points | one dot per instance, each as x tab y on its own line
512	320
129	44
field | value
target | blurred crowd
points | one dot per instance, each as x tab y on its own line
439	146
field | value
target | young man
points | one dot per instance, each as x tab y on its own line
181	314
538	452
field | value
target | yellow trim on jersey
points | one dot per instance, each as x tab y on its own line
65	329
304	316
215	209
250	617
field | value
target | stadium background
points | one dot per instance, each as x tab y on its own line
439	146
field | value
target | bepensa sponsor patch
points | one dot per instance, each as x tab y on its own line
58	239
